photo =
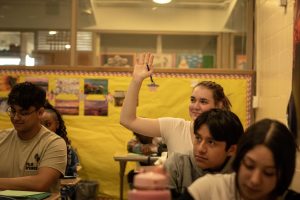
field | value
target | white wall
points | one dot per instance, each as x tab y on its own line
274	32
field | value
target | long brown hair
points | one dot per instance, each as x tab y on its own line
218	93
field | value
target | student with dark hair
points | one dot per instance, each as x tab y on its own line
32	157
216	135
52	119
263	167
176	132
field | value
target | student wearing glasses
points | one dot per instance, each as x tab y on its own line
32	157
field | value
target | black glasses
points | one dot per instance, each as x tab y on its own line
23	113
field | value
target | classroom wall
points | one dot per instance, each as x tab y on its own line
98	136
274	33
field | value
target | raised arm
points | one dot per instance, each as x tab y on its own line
144	126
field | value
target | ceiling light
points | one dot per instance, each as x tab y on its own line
52	32
162	1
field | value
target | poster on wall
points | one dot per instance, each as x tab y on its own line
67	107
117	60
185	61
95	108
39	81
96	86
164	60
7	82
67	86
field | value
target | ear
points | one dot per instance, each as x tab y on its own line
232	150
41	111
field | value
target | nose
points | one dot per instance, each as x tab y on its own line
202	147
256	178
197	105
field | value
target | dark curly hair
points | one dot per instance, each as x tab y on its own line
61	130
27	94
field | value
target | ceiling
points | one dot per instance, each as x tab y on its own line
33	14
174	3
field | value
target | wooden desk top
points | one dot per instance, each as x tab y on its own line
69	181
134	157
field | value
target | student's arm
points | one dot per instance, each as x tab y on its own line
174	167
45	178
52	166
128	118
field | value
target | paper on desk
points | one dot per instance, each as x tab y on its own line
19	193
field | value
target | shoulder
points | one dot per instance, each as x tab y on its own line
49	135
51	139
292	195
177	159
6	132
178	156
174	124
173	120
210	183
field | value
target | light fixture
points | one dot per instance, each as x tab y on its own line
52	32
162	1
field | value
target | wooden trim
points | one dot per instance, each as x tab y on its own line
130	69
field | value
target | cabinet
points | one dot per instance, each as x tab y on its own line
170	51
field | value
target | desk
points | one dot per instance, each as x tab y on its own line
54	196
69	181
124	158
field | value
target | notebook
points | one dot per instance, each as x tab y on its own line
25	195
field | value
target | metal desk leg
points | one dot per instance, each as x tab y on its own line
122	172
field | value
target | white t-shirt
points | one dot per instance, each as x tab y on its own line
176	134
214	186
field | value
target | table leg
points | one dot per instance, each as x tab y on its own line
122	172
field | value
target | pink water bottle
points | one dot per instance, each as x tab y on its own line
150	186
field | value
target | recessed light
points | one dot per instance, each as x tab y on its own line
162	1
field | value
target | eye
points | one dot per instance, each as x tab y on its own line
211	142
203	101
193	100
269	173
198	138
24	113
248	164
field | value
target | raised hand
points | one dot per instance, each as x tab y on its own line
141	71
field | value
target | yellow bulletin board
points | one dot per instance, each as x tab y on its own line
95	130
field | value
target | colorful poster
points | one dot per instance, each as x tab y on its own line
185	61
96	86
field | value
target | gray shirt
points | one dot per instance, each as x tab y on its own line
183	170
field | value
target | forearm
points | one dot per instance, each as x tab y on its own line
28	183
128	111
42	181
